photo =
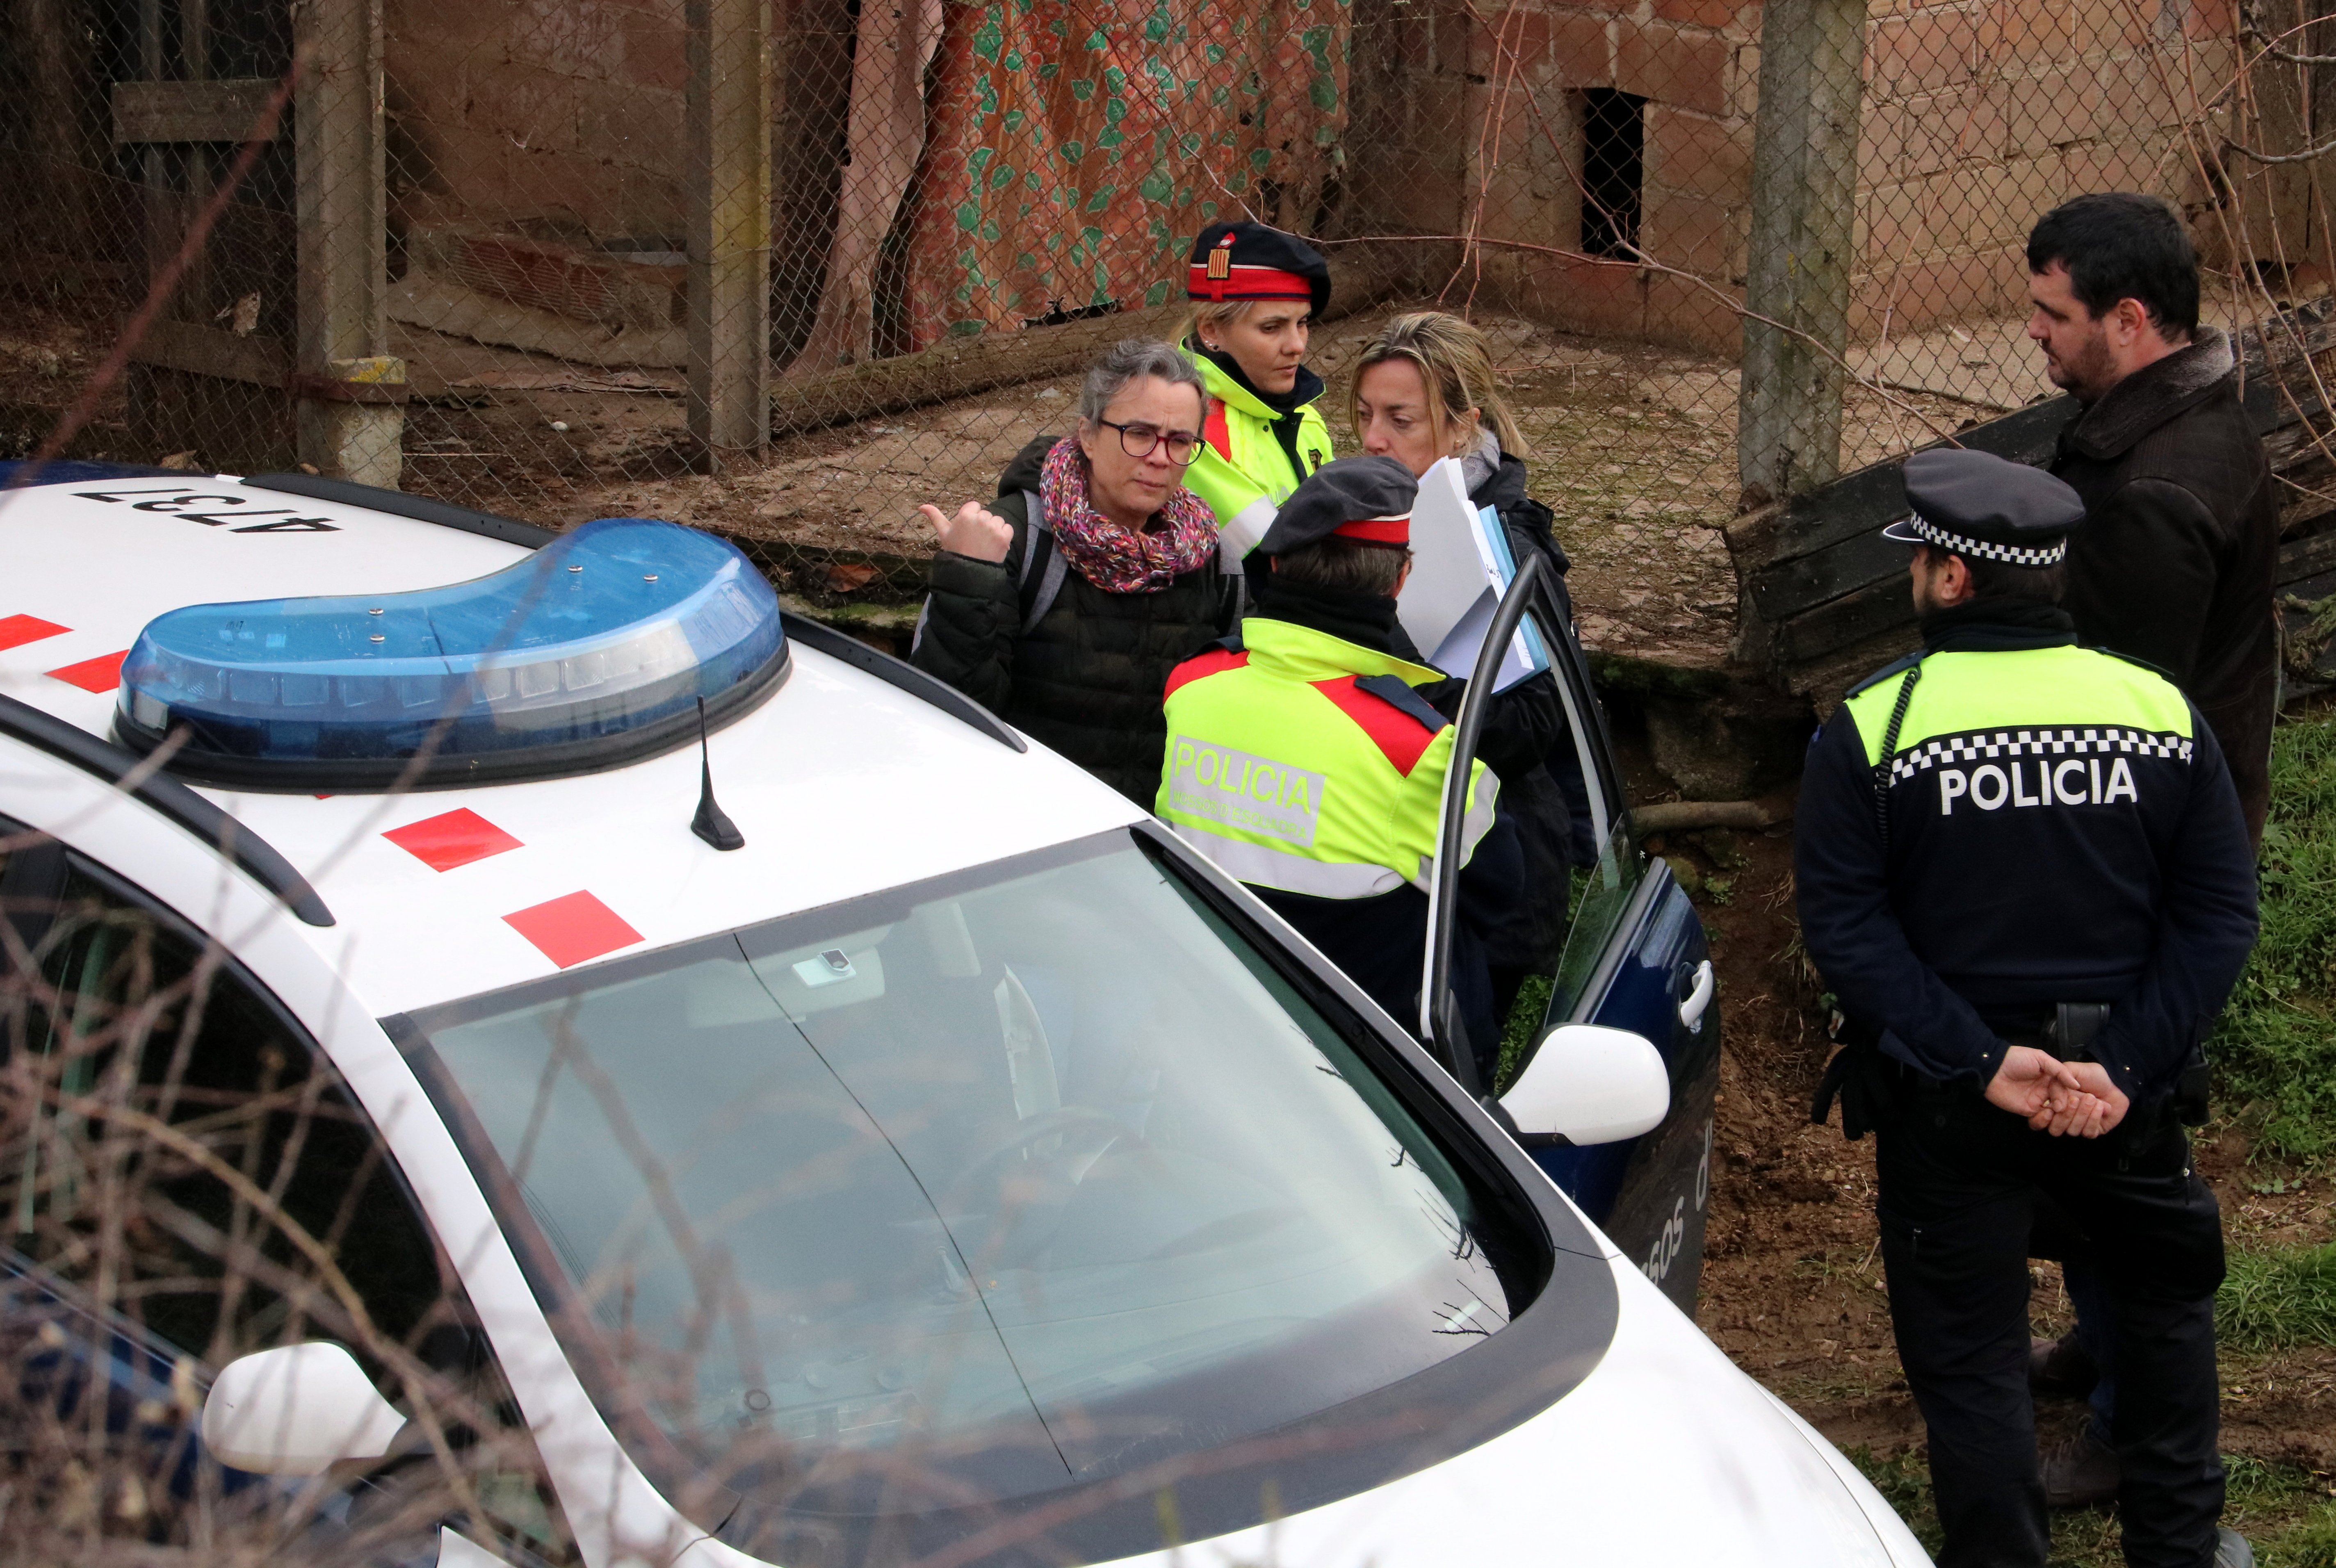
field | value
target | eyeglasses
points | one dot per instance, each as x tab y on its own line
1138	440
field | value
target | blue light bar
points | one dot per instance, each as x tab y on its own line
592	652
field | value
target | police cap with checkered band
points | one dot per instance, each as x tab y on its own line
1235	261
1361	500
1981	507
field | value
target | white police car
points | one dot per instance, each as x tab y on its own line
917	1156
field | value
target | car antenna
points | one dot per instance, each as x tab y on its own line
712	823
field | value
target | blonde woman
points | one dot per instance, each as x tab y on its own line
1424	390
1255	293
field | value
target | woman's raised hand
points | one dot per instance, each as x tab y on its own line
975	531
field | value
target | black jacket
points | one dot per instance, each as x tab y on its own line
2174	564
1087	679
1978	915
1540	780
1380	941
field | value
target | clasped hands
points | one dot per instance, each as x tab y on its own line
2066	1099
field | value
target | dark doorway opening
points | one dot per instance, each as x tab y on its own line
1613	170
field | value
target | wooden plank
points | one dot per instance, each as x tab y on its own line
1849	512
1789	588
1868	612
1859	503
2304	558
230	109
1880	599
960	367
203	350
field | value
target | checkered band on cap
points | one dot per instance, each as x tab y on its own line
2012	554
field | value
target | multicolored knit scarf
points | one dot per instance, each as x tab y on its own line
1118	559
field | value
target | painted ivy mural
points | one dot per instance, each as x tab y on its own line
1073	149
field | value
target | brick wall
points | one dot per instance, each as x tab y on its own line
1980	115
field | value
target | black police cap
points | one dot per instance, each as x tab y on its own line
1365	500
1248	260
1980	506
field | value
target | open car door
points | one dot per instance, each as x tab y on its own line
1633	957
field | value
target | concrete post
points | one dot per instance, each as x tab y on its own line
350	417
729	126
1804	223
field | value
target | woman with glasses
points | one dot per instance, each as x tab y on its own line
1255	293
1062	604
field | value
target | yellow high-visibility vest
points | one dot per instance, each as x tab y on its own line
1305	763
1241	470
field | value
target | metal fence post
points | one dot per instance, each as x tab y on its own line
1803	222
349	417
729	171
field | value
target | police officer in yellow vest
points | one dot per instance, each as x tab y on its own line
1256	292
2022	869
1304	756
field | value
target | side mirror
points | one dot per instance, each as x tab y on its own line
1590	1085
296	1411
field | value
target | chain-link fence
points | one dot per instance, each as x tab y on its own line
596	240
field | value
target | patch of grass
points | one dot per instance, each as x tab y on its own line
1904	1479
2274	1051
2284	1510
1517	1030
2278	1300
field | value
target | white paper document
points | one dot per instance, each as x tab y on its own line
1460	567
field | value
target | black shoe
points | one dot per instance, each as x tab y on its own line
2059	1368
2231	1548
2080	1472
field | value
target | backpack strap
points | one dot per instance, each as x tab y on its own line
1043	564
1397	693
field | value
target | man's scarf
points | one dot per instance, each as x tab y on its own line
1119	560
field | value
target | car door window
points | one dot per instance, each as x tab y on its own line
184	1182
1602	896
1602	891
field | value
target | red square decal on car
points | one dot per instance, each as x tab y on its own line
572	930
16	630
452	839
100	675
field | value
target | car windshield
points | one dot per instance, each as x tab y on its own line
983	1188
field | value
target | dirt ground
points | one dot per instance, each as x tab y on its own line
1793	1280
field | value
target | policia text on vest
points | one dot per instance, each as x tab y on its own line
2052	777
1240	789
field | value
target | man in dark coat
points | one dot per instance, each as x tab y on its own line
2173	566
2174	562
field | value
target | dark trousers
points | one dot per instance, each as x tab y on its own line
1960	1183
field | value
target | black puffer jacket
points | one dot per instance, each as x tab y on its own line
1087	679
2174	561
1547	797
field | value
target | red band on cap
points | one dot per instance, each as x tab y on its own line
1375	531
1247	283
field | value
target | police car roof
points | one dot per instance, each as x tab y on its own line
842	784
